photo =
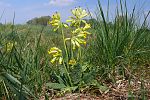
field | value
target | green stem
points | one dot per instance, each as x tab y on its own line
67	74
71	49
79	54
72	55
65	45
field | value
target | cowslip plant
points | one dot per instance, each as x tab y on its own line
72	73
77	29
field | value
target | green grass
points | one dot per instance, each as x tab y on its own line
119	44
27	62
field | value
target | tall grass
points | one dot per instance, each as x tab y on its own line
120	43
24	69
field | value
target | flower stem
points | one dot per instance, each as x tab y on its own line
65	45
66	51
67	74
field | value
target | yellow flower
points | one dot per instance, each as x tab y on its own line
79	35
72	62
76	42
9	46
87	26
55	51
81	32
82	35
78	13
56	22
57	55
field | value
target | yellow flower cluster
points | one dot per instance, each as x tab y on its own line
72	62
9	46
55	21
78	14
80	33
57	55
78	36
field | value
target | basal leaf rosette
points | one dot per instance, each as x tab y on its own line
56	55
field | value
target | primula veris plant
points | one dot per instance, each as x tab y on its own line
77	30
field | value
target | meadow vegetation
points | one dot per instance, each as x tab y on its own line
95	56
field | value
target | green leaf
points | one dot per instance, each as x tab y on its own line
15	85
85	67
55	86
88	77
102	89
18	61
69	89
76	74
